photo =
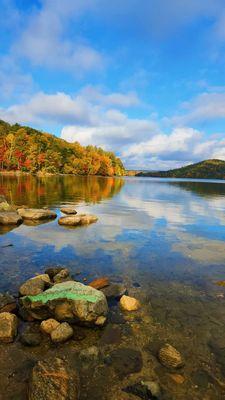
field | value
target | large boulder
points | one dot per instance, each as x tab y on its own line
36	214
76	220
8	327
10	218
34	285
53	380
69	301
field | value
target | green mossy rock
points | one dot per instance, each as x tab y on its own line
69	301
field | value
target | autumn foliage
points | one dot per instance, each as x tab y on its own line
29	150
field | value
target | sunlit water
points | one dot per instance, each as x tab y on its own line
166	238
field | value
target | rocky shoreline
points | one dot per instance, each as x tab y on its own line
54	307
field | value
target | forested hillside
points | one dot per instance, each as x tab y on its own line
29	150
208	169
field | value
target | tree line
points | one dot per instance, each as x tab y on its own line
26	149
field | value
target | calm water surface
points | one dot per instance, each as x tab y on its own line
164	238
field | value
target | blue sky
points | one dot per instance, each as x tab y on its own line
144	78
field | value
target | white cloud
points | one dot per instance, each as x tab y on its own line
183	146
93	110
115	99
44	42
111	134
181	140
204	107
43	107
13	82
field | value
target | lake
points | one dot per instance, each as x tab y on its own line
164	239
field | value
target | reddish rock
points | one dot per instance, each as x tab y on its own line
100	283
177	378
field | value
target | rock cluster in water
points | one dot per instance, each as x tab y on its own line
9	215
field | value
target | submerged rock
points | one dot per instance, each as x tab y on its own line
69	301
62	333
49	325
77	220
30	339
114	291
154	388
68	210
128	303
10	218
7	303
100	283
144	390
90	354
36	214
177	378
170	357
8	327
126	361
53	380
111	335
34	285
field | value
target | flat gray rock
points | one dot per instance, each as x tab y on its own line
76	220
68	210
10	218
36	214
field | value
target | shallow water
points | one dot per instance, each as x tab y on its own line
165	239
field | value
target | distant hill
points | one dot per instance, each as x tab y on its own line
28	150
208	169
